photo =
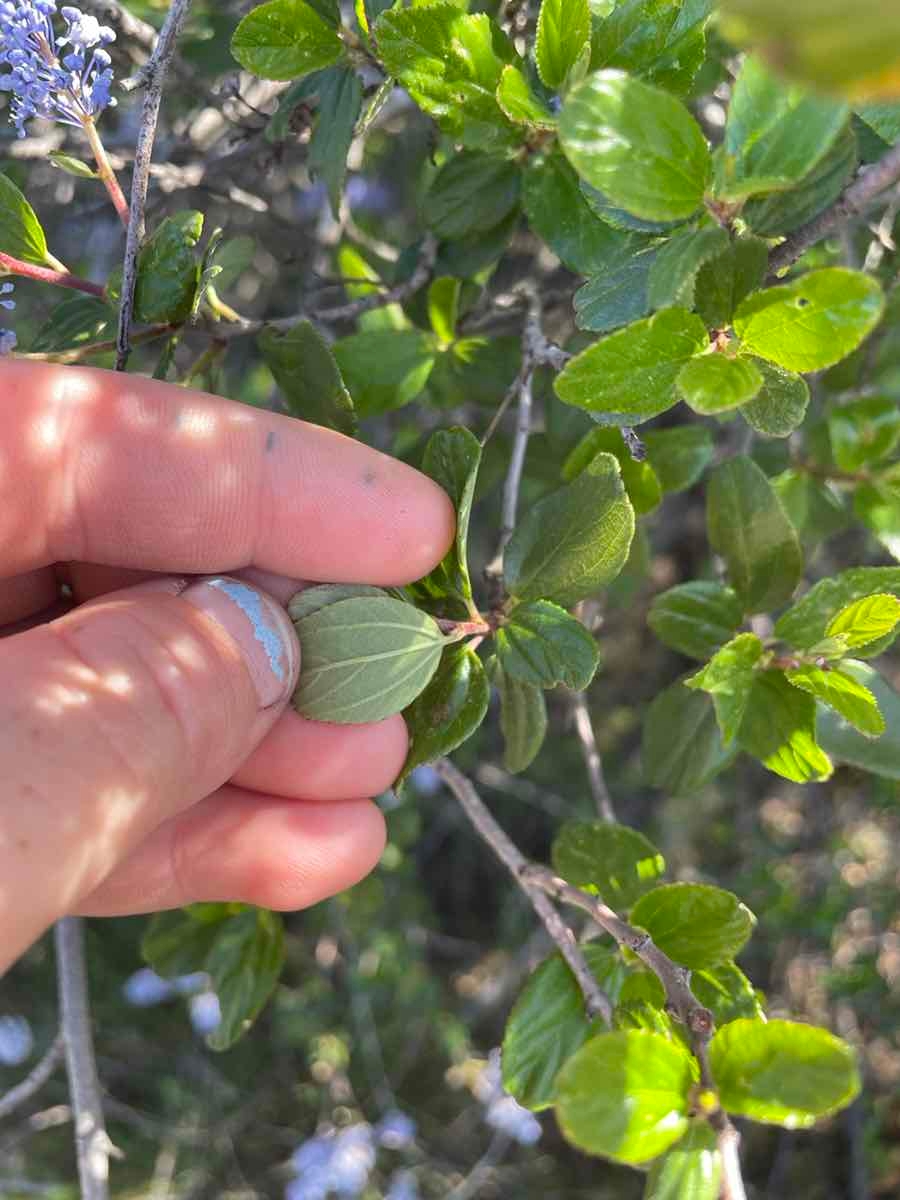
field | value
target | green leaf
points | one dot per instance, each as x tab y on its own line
812	322
839	738
71	165
682	749
695	924
877	505
863	431
523	721
471	193
696	618
723	282
825	43
809	621
630	376
245	963
519	103
779	728
307	373
543	645
864	621
636	144
364	659
21	233
284	39
883	118
558	212
619	863
678	262
616	298
780	406
780	213
548	1024
728	677
469	256
775	133
452	458
443	307
748	526
74	322
639	478
450	62
851	700
624	221
449	710
385	368
233	257
168	270
679	456
727	992
474	370
815	510
691	1170
573	542
715	382
625	1095
654	39
311	599
241	948
782	1072
563	31
340	100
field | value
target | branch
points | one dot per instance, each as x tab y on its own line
345	312
77	353
34	1081
92	1145
593	763
15	266
595	999
851	203
156	69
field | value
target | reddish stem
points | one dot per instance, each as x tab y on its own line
48	275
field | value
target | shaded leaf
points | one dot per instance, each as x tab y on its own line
780	406
523	721
779	728
617	297
340	100
863	431
308	376
678	262
543	645
696	618
679	456
452	458
385	368
244	964
449	710
839	739
723	282
471	193
748	526
682	749
570	544
780	213
168	270
618	863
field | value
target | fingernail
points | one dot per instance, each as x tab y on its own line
258	626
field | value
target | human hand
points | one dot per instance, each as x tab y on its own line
147	757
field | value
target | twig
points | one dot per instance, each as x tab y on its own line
851	203
345	312
595	999
157	67
61	278
593	763
92	1145
492	1157
35	1079
77	353
516	462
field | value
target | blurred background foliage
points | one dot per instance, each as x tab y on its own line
396	992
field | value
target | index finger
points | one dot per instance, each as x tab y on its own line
118	469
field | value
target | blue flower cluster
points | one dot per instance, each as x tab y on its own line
63	78
8	338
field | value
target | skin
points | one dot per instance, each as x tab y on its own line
139	769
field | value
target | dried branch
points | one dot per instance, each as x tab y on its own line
35	1079
92	1145
595	999
156	69
851	203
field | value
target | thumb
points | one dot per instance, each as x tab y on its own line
119	715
